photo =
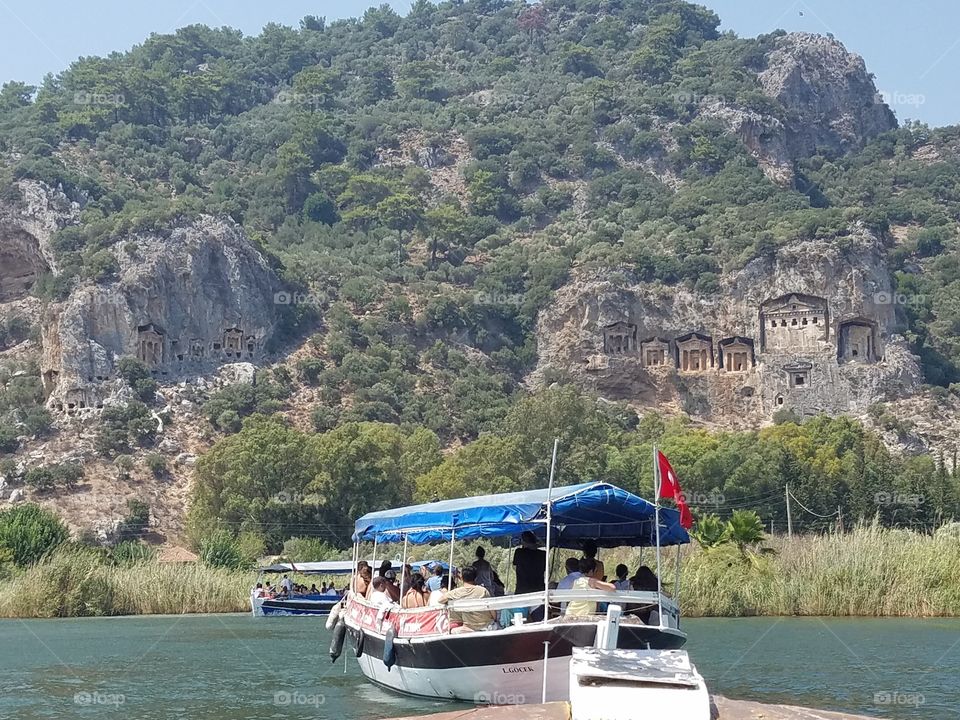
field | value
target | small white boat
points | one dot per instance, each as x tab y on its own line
304	604
415	651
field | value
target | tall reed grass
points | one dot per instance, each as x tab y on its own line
78	584
870	571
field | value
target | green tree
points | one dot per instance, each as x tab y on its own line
29	532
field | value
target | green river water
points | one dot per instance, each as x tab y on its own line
235	666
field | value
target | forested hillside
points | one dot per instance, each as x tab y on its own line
422	184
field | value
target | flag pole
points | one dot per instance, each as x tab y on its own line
546	565
657	480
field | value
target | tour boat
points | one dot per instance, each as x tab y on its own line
414	651
310	604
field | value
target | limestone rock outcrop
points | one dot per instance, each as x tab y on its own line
812	330
27	223
830	98
185	302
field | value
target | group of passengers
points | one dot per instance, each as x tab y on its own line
289	589
434	585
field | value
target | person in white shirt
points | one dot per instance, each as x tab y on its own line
258	591
379	596
287	584
572	566
437	595
622	583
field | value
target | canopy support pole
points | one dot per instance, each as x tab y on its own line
676	580
373	560
546	563
656	516
403	568
450	565
356	559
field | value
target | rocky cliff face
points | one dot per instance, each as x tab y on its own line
26	226
184	302
810	330
831	101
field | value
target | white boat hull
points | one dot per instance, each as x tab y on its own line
515	684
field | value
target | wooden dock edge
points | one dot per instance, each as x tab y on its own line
725	709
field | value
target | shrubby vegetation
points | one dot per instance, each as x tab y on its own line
21	405
314	138
278	482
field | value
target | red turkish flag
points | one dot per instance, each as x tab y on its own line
670	488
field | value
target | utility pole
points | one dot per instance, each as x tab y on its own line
789	517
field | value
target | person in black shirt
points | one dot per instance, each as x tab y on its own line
530	563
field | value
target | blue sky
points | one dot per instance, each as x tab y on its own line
912	46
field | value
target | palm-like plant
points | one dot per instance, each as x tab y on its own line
710	531
745	530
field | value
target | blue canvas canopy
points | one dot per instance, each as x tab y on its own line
597	511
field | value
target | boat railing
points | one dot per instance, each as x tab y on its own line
435	619
528	600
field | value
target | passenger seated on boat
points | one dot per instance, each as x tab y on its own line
530	563
379	596
572	566
622	582
391	588
470	620
332	591
415	597
258	591
366	581
590	552
268	591
586	581
436	595
644	580
435	582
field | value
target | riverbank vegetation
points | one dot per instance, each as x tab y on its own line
869	571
